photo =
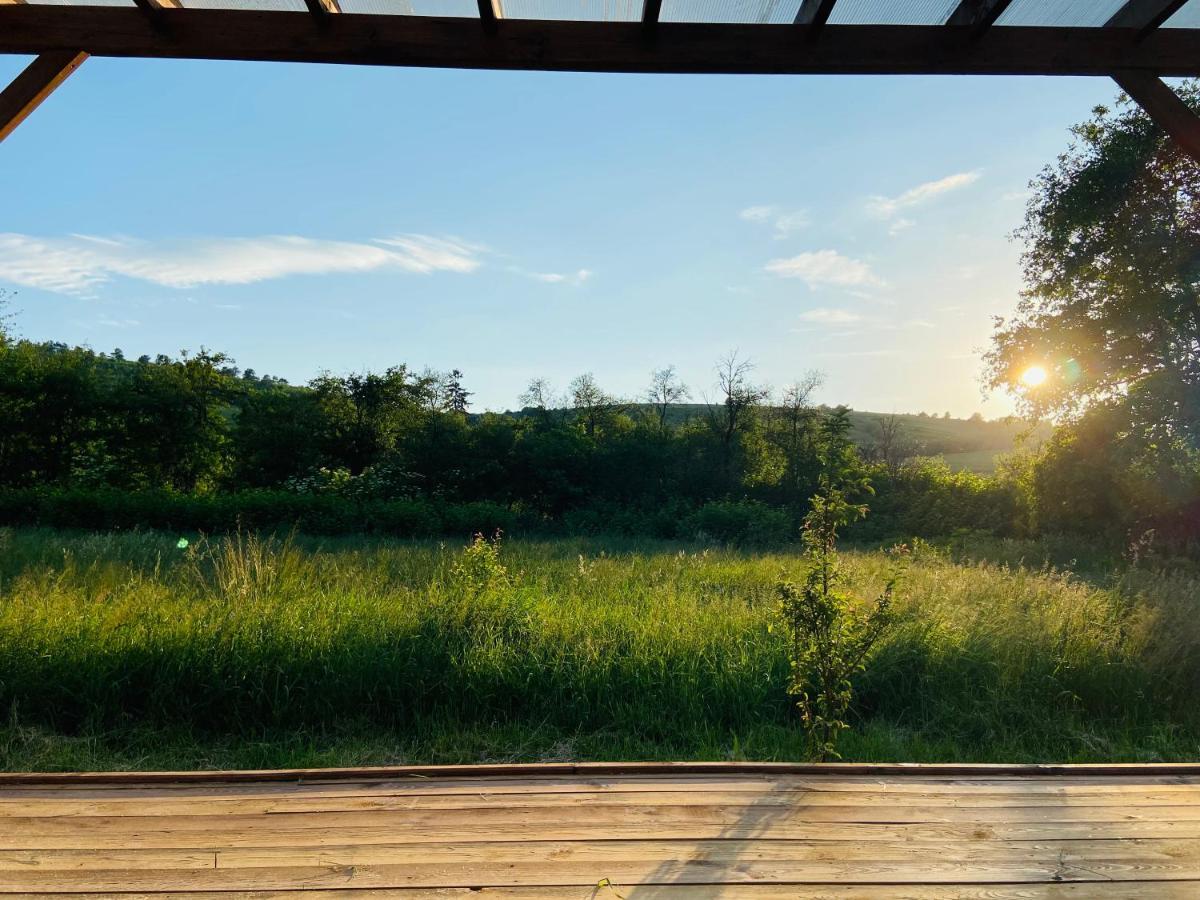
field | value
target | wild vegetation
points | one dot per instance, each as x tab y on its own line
651	604
128	650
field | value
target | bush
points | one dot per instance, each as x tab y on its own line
745	523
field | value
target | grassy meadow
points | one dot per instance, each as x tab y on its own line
126	650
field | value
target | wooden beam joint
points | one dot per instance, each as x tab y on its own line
35	84
1164	107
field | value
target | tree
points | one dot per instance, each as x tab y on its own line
365	414
538	396
666	389
455	397
889	445
1111	304
594	408
1106	337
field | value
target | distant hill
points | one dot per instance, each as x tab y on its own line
966	444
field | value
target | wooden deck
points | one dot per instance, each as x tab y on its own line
606	832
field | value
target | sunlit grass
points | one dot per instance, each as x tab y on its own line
124	650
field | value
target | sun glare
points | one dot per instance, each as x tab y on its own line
1033	376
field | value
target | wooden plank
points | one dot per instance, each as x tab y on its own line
160	838
1165	107
1066	891
964	774
533	818
491	854
1144	15
592	46
978	15
334	874
271	805
1031	789
37	82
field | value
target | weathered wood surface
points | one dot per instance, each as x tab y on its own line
639	832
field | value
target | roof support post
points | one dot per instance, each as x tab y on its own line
651	10
35	84
1164	107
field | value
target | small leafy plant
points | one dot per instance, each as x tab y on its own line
830	635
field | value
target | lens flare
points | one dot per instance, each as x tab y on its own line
1033	376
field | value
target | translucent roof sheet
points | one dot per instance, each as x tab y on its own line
892	12
761	12
260	5
577	10
458	9
1063	13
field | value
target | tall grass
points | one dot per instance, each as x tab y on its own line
268	650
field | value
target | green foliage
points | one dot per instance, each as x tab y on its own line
829	638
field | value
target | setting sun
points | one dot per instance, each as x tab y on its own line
1033	376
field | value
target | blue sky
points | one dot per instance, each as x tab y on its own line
516	225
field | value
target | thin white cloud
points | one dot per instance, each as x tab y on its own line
574	279
825	268
757	213
783	221
78	264
900	225
826	316
887	207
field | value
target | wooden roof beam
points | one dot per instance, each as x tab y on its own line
651	10
1164	107
391	40
979	15
35	84
1144	15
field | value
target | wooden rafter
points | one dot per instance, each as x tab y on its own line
977	14
814	14
651	10
393	40
1165	107
35	84
154	6
323	7
490	13
1144	15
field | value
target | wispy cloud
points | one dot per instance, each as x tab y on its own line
887	207
900	225
78	264
574	279
826	316
824	268
783	221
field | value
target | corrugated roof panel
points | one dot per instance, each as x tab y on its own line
892	12
1065	13
256	5
455	9
575	10
761	12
